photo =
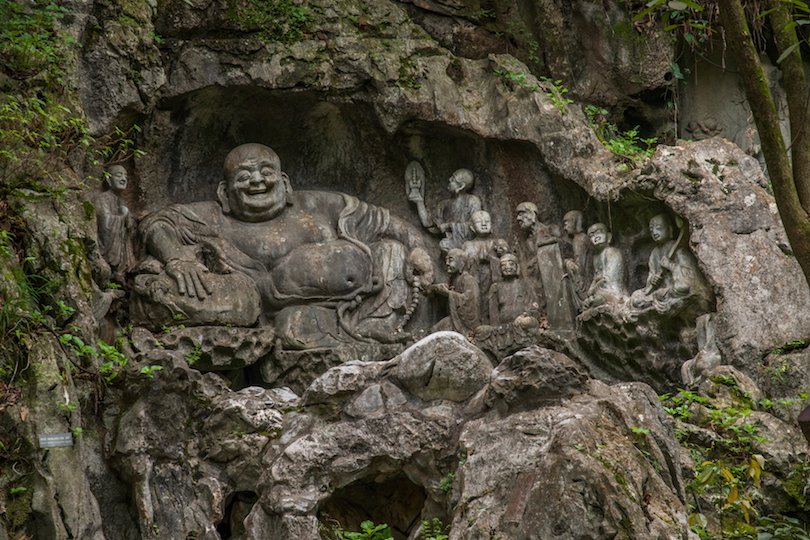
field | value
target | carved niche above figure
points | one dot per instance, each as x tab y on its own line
325	268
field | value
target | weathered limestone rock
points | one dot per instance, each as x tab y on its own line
527	475
444	365
187	445
534	377
214	348
365	90
739	243
63	501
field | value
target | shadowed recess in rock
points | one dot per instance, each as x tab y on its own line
394	501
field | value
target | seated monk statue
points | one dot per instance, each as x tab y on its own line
301	259
673	273
608	269
513	296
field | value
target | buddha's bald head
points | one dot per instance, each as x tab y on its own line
254	188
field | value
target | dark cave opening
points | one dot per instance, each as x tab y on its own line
237	507
395	501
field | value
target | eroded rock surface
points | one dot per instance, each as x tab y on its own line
297	428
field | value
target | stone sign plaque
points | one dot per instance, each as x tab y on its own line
55	440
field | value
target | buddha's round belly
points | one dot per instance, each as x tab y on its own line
320	271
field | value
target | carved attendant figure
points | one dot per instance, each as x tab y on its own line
302	258
537	233
453	215
115	224
526	217
578	267
540	253
674	275
478	252
608	269
462	296
512	297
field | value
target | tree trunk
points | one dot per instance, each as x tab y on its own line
794	217
794	82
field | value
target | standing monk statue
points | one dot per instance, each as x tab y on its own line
115	223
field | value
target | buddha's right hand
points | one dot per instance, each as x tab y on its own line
191	278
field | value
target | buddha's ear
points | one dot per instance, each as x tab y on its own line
222	195
287	186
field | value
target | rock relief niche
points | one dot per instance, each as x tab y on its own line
304	279
637	319
713	103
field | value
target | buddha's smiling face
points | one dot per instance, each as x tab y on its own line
255	186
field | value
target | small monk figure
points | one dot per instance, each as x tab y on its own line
513	296
452	216
608	269
115	224
463	295
479	251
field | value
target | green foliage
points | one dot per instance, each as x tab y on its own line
446	483
731	488
150	371
434	529
194	355
557	94
680	402
41	123
35	122
68	407
283	21
790	346
729	471
116	147
31	44
691	20
368	531
22	308
483	14
781	528
797	484
18	508
408	75
627	145
111	361
517	79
